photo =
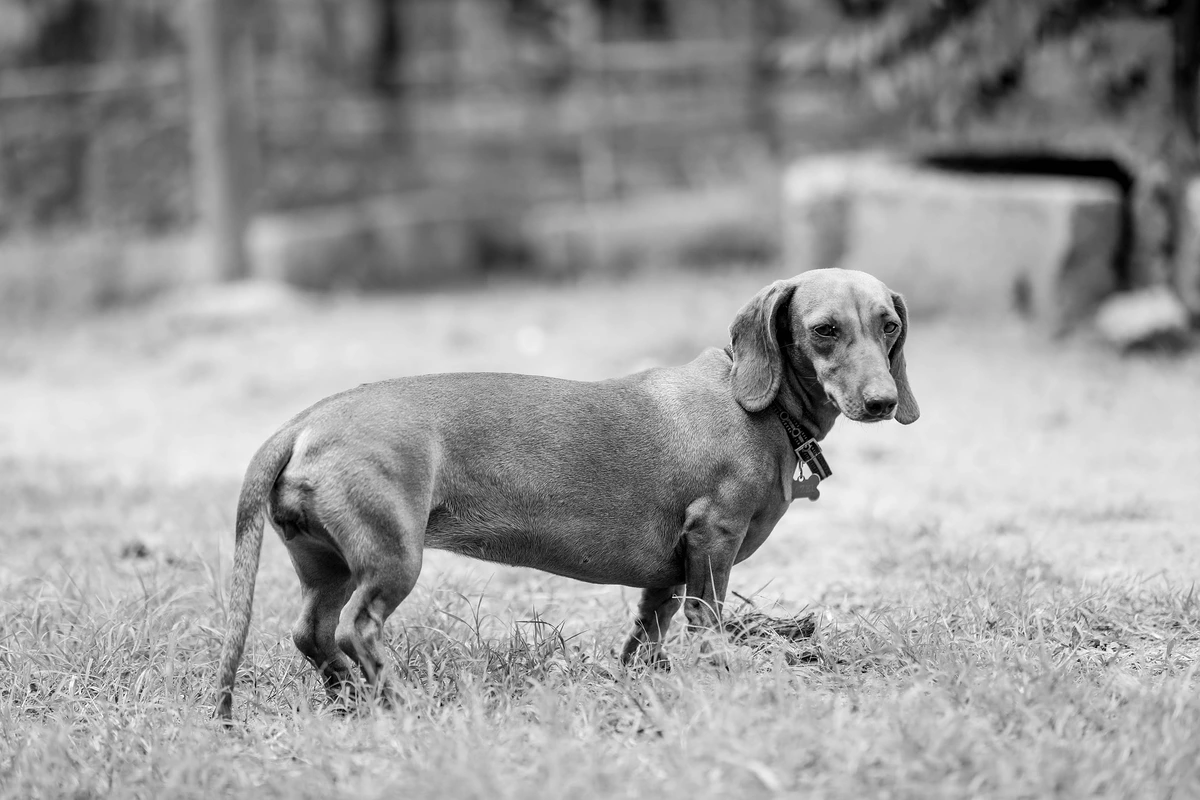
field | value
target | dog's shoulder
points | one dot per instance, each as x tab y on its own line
706	376
698	391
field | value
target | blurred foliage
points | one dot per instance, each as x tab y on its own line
37	33
356	98
22	22
1112	79
962	57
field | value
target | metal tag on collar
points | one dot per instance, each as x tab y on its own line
806	488
808	452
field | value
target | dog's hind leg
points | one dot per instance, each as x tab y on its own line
360	625
325	585
383	549
655	610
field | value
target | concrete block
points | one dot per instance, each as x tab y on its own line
1153	317
964	244
1187	266
314	249
707	228
382	243
81	272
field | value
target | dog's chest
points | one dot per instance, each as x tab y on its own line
760	528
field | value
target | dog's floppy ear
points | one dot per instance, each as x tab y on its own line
757	360
907	410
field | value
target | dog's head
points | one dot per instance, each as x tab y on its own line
846	331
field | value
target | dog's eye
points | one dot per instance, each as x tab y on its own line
825	330
891	327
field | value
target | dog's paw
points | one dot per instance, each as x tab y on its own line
344	700
646	656
657	661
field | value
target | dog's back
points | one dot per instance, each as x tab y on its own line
565	476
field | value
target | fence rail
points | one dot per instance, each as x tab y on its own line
62	82
597	63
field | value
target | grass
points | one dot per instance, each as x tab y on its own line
990	679
973	632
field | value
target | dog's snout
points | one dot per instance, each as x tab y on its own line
880	406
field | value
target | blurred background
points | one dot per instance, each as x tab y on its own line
364	144
213	213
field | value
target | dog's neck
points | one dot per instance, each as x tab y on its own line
803	397
804	400
807	403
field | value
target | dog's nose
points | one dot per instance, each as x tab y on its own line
880	406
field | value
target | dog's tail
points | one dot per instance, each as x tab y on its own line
261	475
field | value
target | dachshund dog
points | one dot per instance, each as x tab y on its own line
661	480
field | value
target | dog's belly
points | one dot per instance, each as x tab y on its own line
573	548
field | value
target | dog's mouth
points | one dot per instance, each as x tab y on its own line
839	405
862	416
858	412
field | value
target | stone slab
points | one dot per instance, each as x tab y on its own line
1153	317
69	273
378	244
1187	268
956	243
710	228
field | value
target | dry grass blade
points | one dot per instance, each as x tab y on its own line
762	632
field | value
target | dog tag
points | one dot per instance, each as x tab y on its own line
806	488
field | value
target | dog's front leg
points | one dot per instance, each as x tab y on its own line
711	543
654	616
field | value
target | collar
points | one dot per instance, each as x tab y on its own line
808	450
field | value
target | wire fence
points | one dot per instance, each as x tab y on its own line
473	100
146	117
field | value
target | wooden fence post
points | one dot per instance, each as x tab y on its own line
597	161
767	18
222	134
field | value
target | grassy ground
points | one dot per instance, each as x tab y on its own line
1004	590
